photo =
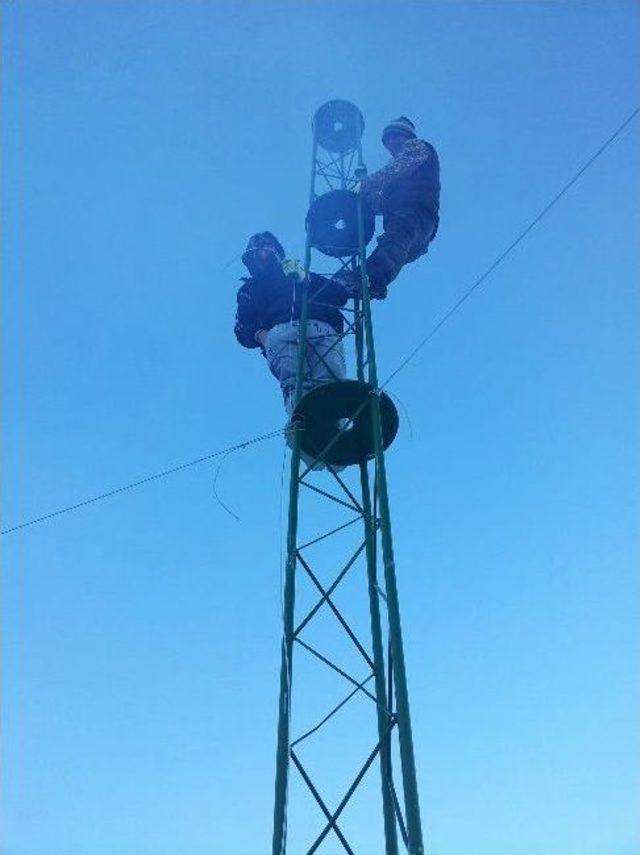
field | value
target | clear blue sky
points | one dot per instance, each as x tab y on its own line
142	144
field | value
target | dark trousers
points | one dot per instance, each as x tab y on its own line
406	237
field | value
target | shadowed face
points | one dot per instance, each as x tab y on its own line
264	246
394	142
264	254
261	255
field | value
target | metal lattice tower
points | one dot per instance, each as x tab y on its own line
347	424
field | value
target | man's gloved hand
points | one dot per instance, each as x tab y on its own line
292	267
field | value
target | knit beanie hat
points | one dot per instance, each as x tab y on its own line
401	125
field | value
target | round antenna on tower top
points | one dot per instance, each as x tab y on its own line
338	126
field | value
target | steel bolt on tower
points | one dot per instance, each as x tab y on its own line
346	423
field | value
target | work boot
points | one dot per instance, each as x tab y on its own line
351	281
377	288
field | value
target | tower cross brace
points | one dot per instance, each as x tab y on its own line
344	424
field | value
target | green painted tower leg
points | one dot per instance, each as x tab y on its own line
344	423
390	832
405	736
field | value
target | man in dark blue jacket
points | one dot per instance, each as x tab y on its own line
407	193
268	314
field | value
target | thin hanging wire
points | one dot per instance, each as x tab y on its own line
410	356
155	477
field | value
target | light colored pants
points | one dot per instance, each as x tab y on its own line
324	359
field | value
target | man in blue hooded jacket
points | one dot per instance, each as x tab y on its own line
268	316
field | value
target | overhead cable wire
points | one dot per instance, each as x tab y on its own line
156	476
476	284
410	356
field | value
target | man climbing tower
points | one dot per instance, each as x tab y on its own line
407	194
268	315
